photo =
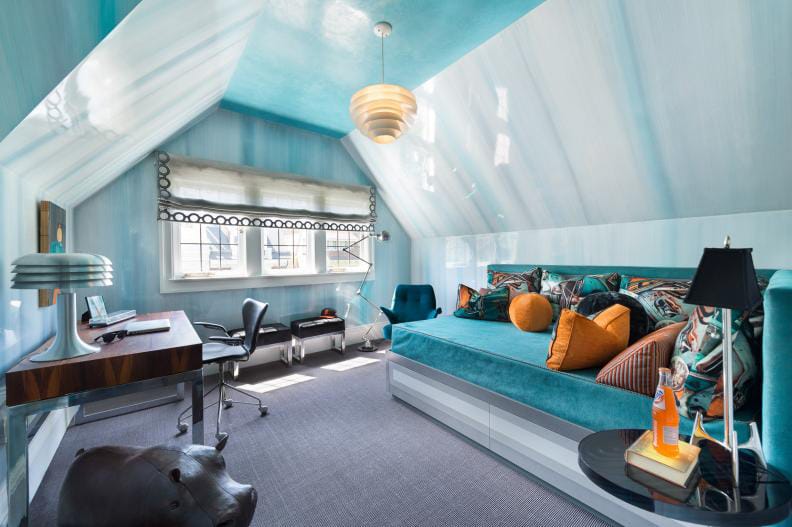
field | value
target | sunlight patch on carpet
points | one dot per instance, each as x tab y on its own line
274	384
349	364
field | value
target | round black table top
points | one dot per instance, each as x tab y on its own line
762	499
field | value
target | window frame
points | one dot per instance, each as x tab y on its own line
176	245
311	245
364	254
254	277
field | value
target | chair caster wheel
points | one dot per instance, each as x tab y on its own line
263	411
228	404
221	436
182	428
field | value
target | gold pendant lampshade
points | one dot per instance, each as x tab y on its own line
382	112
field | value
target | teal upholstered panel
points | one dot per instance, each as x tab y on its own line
499	357
649	272
777	383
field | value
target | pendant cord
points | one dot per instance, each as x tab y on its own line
382	40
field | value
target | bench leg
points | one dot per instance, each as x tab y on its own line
286	354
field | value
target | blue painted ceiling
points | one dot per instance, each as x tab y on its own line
306	58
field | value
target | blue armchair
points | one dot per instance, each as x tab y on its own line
410	303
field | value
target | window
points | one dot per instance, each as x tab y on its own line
208	250
197	257
287	250
219	256
340	261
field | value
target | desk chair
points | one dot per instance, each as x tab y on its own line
228	349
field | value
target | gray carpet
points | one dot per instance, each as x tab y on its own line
338	450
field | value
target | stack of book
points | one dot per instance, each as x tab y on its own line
678	470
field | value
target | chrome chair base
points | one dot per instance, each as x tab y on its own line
227	403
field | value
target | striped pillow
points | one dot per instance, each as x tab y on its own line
635	368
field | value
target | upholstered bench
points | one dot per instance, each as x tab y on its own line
272	335
309	328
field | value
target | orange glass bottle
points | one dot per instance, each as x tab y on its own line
665	417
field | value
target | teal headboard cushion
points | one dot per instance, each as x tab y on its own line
647	272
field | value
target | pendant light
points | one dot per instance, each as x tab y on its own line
382	111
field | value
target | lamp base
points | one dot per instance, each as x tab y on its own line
367	346
67	343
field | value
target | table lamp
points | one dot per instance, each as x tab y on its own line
383	236
67	272
726	279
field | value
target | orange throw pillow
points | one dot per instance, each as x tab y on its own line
531	312
635	368
580	343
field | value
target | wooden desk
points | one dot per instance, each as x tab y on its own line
138	362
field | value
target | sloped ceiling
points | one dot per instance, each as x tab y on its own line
600	112
593	112
165	65
306	58
41	41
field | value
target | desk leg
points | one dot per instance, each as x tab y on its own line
197	410
17	477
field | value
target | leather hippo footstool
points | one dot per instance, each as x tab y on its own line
159	486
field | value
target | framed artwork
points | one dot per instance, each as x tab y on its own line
52	239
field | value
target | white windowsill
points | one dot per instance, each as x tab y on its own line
220	283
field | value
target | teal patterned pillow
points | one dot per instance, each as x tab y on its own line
662	298
697	363
566	291
528	282
488	304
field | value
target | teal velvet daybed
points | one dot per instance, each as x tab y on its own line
489	381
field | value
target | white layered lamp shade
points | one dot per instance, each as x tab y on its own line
67	272
382	112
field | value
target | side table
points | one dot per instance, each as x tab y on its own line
310	328
763	497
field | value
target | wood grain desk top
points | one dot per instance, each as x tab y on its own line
135	358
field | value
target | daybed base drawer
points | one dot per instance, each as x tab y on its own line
545	454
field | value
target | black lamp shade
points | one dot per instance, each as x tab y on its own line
725	278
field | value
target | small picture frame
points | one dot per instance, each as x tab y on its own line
96	306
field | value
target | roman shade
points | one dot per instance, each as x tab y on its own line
198	191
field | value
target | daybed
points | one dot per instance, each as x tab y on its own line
488	381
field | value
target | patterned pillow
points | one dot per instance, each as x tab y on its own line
565	291
697	364
662	298
486	304
529	282
635	368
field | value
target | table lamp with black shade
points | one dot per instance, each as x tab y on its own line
726	279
